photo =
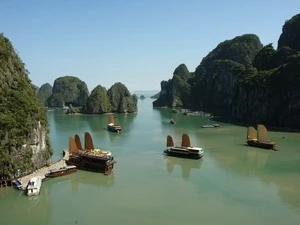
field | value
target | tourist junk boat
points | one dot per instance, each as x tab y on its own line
111	126
183	151
259	138
34	186
57	172
89	158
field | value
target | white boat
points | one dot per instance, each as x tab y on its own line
183	151
34	186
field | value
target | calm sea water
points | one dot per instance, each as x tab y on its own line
232	183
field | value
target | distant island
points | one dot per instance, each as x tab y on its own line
71	92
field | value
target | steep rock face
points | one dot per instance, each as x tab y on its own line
68	90
270	96
121	100
98	102
240	79
268	58
176	91
24	141
269	90
44	92
241	49
290	33
217	75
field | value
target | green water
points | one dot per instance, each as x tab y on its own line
232	184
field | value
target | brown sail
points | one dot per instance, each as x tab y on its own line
170	142
88	141
183	151
262	133
111	118
72	146
78	142
261	140
251	134
185	142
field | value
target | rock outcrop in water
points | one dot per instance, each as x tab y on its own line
68	90
117	99
44	92
24	141
176	92
245	81
98	102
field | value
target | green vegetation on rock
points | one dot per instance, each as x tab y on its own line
177	91
68	90
290	33
22	119
97	102
243	80
117	99
44	92
121	100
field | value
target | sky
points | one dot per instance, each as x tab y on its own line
136	42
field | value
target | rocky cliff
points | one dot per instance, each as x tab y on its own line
176	91
243	80
98	102
269	91
68	90
24	141
121	100
44	92
117	99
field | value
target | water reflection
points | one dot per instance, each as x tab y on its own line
92	178
258	159
186	165
269	166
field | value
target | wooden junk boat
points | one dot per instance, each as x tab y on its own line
111	126
89	158
183	151
57	172
259	138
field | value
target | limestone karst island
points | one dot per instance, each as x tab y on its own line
217	144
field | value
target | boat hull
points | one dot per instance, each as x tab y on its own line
114	128
265	145
92	164
61	172
183	154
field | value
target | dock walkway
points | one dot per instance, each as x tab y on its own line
44	170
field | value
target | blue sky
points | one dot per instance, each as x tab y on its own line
136	42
